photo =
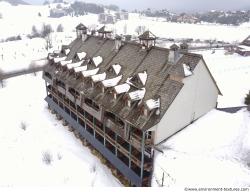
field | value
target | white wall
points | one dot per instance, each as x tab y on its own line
197	97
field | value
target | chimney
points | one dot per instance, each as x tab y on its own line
173	54
81	32
84	35
147	40
118	42
184	47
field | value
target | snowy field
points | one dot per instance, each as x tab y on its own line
28	131
232	75
214	151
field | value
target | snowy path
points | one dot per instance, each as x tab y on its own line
28	130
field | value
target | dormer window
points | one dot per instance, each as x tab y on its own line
187	70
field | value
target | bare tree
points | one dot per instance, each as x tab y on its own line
46	34
59	28
140	29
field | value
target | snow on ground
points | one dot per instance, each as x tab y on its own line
15	55
182	30
12	15
212	152
232	75
23	147
20	19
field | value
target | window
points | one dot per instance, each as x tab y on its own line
149	135
92	104
74	92
48	75
110	116
60	83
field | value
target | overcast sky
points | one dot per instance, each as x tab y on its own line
176	5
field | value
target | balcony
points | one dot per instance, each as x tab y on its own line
137	139
47	77
97	113
61	90
116	127
70	96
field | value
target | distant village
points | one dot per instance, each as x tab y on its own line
214	16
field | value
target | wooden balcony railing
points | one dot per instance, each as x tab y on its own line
119	129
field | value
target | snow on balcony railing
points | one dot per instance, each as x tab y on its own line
89	73
58	59
65	62
81	55
153	104
81	68
123	88
98	77
97	60
111	82
137	95
74	65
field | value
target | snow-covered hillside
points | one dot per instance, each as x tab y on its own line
18	20
214	151
28	131
232	75
29	15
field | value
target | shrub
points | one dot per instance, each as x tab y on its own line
59	28
23	125
247	99
47	158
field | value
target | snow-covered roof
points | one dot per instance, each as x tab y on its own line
153	104
117	68
99	77
58	59
244	47
143	77
123	88
111	82
67	51
73	65
187	70
81	55
137	95
89	73
79	69
97	60
65	62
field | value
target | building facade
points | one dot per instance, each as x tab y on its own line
244	48
126	97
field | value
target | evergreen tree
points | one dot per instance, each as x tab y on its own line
247	99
